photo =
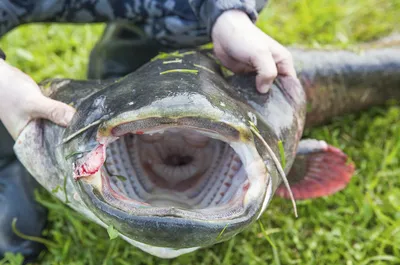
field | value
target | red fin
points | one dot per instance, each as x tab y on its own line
317	172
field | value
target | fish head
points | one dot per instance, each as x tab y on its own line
169	158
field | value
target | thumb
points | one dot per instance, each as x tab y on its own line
55	111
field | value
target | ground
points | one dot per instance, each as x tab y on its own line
360	225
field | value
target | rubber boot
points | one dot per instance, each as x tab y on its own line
17	201
122	49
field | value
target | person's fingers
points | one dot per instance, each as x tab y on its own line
266	70
55	111
282	57
285	64
262	62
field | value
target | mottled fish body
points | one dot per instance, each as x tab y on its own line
178	156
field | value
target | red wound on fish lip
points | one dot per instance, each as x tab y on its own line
318	174
90	164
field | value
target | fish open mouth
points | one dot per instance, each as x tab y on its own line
176	168
181	170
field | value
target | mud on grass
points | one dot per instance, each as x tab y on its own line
360	225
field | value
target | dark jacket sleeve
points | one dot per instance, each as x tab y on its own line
209	10
16	12
185	22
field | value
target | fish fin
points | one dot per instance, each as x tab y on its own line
319	170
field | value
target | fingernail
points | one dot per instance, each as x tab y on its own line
265	88
68	117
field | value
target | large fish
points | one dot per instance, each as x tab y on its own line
180	154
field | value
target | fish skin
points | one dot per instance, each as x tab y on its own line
280	114
347	81
167	95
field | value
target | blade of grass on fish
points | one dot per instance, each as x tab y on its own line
207	46
166	55
31	238
173	61
65	189
282	153
222	231
75	153
190	71
188	53
204	68
121	178
225	71
112	232
170	55
56	189
277	164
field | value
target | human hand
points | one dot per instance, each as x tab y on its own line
21	101
242	47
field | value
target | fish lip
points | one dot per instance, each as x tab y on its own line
172	228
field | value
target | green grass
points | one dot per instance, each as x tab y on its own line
360	225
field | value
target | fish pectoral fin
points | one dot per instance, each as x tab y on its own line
318	170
